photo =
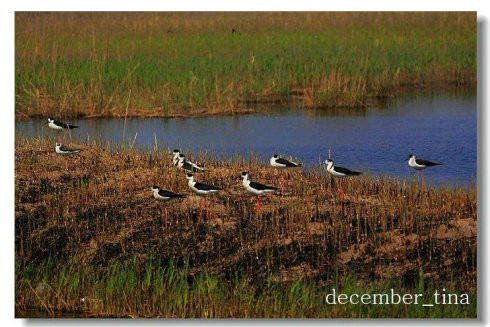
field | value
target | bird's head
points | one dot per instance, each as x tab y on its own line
410	156
244	175
50	120
329	161
275	156
176	151
155	188
58	144
190	177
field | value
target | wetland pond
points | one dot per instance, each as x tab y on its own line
441	127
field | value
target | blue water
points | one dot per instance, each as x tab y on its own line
441	128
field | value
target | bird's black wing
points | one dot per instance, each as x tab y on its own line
288	163
346	171
261	187
426	163
206	187
169	194
64	125
67	149
189	167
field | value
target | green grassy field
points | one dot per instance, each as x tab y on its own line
151	288
165	64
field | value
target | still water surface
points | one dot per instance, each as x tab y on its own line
377	140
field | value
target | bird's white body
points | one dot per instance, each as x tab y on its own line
52	125
175	159
59	149
158	196
246	183
413	163
274	162
331	170
192	186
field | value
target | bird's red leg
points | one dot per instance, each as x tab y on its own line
281	183
201	208
258	206
423	182
341	191
166	217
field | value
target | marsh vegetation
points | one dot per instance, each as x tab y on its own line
174	64
91	239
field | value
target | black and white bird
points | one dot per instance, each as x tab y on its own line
337	171
279	162
61	149
188	166
420	164
201	188
165	195
59	125
175	158
254	187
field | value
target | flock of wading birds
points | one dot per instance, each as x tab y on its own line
255	188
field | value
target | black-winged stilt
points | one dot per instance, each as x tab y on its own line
175	158
164	195
277	162
341	172
188	166
420	164
64	150
201	189
59	125
61	149
256	188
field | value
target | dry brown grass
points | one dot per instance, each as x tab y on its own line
101	209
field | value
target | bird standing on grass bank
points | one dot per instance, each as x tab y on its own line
278	162
61	149
164	195
201	189
64	150
337	171
256	188
419	165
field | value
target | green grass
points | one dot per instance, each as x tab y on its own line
150	288
99	64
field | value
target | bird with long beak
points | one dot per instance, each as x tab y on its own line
256	189
339	172
201	189
60	126
64	150
278	162
419	165
164	195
